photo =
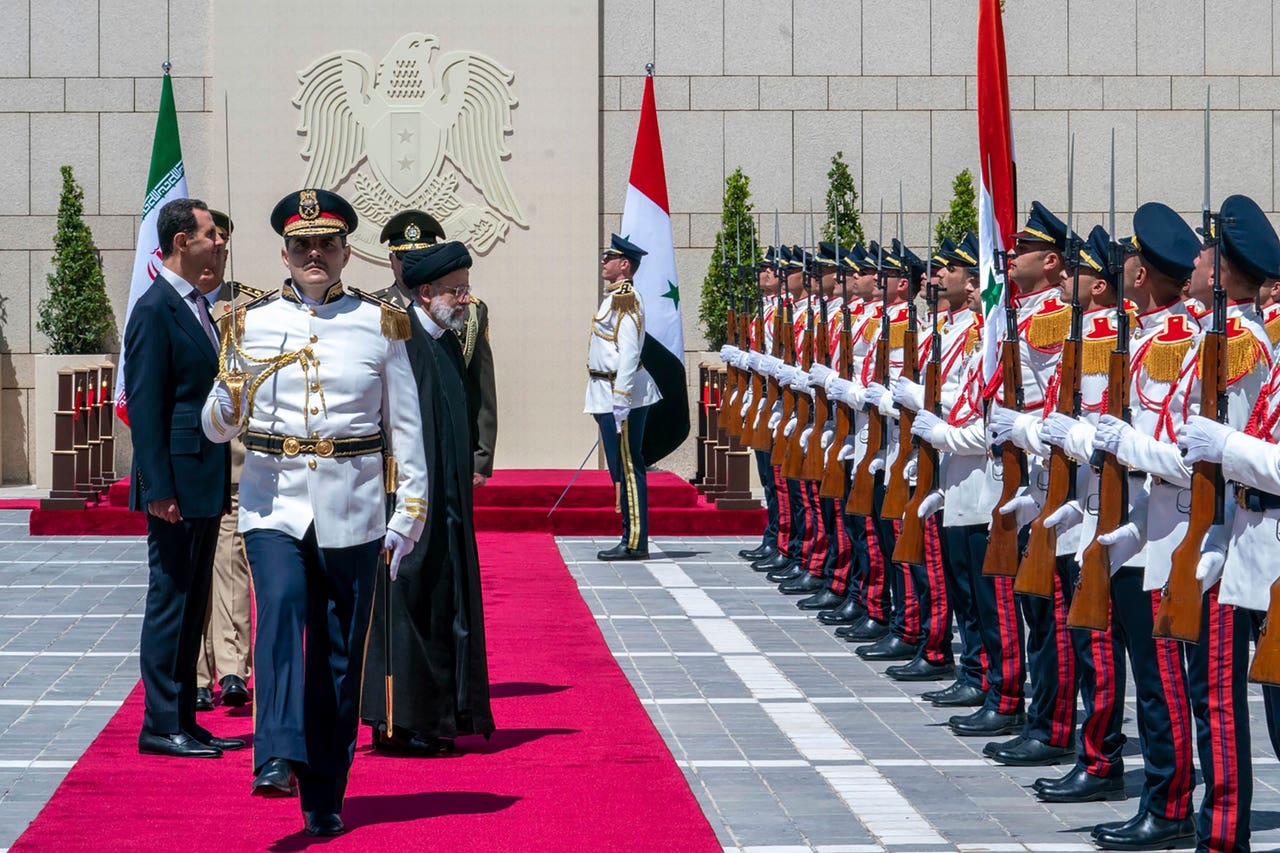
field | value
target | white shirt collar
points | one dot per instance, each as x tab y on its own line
434	329
180	284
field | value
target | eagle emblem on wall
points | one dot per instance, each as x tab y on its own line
394	135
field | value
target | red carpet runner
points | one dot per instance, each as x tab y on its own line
575	764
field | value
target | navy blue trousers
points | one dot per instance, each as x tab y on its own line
624	454
1051	660
313	614
962	551
1100	679
769	539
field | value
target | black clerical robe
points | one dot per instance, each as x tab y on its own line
440	673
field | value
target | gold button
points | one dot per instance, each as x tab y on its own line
314	339
311	463
312	312
315	435
316	362
315	386
315	410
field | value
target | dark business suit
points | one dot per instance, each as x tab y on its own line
170	366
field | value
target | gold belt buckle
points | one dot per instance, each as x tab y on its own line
324	447
291	446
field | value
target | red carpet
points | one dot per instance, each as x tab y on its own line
514	500
575	764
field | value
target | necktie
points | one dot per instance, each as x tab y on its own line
202	310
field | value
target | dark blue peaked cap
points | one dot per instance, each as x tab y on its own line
1164	240
964	253
1043	227
940	254
827	254
625	248
770	255
1094	253
1248	238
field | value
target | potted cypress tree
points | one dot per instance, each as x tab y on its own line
76	316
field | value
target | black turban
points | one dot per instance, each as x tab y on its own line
423	266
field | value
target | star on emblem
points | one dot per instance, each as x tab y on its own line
406	136
673	293
405	165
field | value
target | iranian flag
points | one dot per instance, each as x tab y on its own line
166	181
996	200
646	221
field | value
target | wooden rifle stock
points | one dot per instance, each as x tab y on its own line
1039	561
1265	668
897	486
788	395
814	457
910	545
762	439
759	392
741	382
862	493
728	406
835	479
1002	543
793	461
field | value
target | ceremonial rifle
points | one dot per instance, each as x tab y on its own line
1002	542
835	477
910	544
788	333
759	383
746	379
861	494
762	438
730	402
1179	616
897	487
1039	561
793	464
819	352
1265	668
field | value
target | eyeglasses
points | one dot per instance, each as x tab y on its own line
458	292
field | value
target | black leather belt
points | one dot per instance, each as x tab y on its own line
1255	500
288	445
602	374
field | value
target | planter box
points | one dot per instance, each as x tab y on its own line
46	404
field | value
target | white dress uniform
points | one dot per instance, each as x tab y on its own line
613	356
341	378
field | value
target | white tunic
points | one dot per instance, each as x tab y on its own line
346	379
614	352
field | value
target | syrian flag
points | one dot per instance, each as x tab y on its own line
166	181
646	221
996	200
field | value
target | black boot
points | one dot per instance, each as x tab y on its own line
888	648
921	670
621	552
958	695
1032	753
1149	832
760	552
849	612
792	571
865	630
987	723
823	599
806	584
770	564
1079	787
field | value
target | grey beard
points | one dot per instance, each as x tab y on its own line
446	318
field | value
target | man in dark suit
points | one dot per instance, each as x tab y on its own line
180	478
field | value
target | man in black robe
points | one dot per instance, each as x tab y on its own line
440	677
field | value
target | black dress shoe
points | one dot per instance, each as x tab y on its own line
1149	832
996	745
1113	825
921	670
762	552
887	648
1079	787
806	584
960	695
823	599
865	630
226	744
849	612
234	691
772	564
322	824
790	571
987	723
1033	753
180	745
204	699
275	779
617	553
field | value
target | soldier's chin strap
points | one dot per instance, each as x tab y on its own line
574	478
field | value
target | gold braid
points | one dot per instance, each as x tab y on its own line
306	359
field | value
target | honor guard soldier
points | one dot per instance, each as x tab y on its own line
1215	666
620	392
404	232
768	284
321	387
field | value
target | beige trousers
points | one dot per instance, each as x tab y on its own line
227	645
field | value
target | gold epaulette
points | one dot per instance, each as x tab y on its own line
1164	354
871	330
242	289
261	298
395	320
1049	325
973	339
1244	351
1096	348
1273	328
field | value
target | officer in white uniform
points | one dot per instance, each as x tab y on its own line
331	422
620	392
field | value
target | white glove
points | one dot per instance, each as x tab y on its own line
1056	428
1123	544
1023	508
395	547
1000	426
819	374
804	436
828	436
875	393
752	362
223	396
907	393
912	469
1209	569
1110	434
877	464
790	427
846	450
1065	517
620	413
775	418
853	396
837	387
800	382
925	425
727	352
932	503
1203	440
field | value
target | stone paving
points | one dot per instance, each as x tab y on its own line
789	741
792	743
